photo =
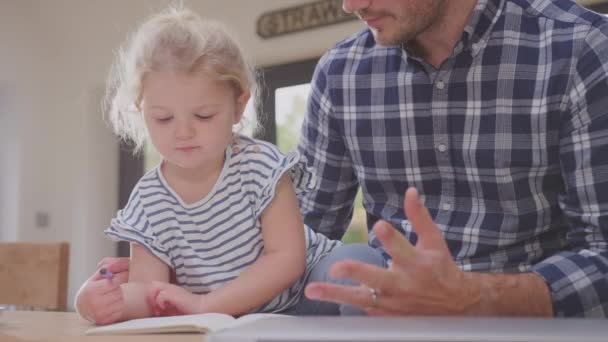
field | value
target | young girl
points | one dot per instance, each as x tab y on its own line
220	210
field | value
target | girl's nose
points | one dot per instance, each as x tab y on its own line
184	130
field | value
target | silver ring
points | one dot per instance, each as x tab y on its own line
374	294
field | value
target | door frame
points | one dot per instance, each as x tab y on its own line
276	77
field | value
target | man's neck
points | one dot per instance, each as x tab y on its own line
437	42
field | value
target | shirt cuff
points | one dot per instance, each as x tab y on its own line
578	283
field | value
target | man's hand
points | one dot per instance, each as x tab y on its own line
422	279
425	280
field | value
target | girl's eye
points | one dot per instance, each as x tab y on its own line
167	119
203	116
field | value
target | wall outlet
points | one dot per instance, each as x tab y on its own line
42	219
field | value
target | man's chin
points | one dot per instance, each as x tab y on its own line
384	40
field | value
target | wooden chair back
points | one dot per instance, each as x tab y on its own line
34	274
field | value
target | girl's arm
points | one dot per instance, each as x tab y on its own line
281	264
145	268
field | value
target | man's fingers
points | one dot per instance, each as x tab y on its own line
363	273
395	244
343	294
429	236
360	296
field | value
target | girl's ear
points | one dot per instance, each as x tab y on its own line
137	104
241	103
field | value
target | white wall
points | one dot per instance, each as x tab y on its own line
56	154
9	159
18	80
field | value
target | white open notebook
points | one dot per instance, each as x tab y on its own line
201	323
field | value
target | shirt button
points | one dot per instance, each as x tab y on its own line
256	149
446	206
440	84
442	147
236	149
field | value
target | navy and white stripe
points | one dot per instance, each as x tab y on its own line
507	142
210	242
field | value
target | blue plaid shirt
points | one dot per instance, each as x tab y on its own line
507	142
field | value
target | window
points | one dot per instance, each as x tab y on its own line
285	94
290	106
597	6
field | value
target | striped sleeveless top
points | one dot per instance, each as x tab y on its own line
210	242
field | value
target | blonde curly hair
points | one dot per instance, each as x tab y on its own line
179	40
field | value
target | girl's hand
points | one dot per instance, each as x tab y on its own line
114	264
172	300
100	300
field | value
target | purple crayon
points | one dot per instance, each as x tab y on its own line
106	274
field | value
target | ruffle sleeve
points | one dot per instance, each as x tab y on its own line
264	165
131	225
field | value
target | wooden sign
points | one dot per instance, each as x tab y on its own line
302	17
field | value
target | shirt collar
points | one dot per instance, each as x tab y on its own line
477	30
480	23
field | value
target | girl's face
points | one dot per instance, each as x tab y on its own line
190	117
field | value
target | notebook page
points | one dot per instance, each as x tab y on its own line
208	321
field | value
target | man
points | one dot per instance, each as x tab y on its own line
496	112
